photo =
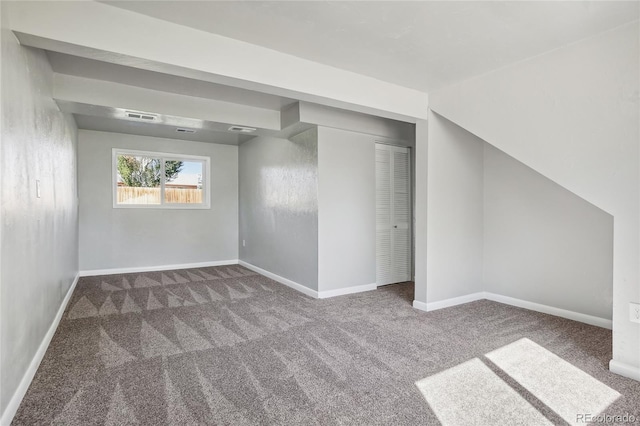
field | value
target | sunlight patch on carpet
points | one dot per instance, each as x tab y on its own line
472	394
564	388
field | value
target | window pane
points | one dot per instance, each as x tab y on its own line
183	183
138	179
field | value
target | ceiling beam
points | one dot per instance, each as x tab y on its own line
97	96
385	129
99	31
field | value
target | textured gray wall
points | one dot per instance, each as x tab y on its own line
454	211
279	206
39	240
121	238
347	206
543	243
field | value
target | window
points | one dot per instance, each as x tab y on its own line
157	180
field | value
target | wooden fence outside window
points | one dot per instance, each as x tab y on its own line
139	195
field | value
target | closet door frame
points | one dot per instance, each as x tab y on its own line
388	275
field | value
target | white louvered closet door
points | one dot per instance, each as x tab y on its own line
393	214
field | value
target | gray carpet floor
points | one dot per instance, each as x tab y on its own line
226	346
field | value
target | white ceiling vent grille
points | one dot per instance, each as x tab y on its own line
141	116
183	130
241	129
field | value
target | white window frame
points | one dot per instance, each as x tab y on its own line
163	156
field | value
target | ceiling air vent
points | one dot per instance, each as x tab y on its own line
183	130
141	116
241	129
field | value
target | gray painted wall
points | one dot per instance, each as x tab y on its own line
543	243
121	238
279	206
572	115
495	225
454	211
39	236
420	159
347	213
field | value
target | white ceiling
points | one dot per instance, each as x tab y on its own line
423	45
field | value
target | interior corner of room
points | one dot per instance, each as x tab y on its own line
519	184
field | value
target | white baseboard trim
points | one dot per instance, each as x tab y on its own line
20	392
420	305
347	290
532	306
545	309
625	370
95	272
432	306
294	285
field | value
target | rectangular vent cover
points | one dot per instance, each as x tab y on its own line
141	116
